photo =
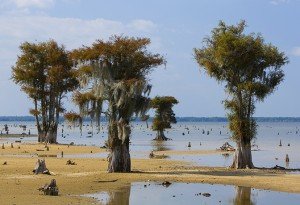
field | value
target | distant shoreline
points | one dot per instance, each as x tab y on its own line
179	119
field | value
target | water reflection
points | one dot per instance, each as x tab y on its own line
149	193
243	196
120	197
160	146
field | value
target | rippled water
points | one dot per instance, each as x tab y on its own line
268	137
146	193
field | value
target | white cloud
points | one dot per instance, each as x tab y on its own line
32	3
277	2
296	51
72	32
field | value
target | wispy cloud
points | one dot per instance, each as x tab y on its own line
72	32
31	3
142	25
277	2
296	51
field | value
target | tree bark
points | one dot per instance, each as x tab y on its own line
243	156
52	134
119	160
118	142
41	135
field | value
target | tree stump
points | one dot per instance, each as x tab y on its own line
287	159
70	162
40	167
50	189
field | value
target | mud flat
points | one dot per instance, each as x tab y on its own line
19	185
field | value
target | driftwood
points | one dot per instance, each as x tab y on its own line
50	189
47	155
40	167
101	181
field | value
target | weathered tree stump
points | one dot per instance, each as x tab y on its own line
40	167
70	162
50	189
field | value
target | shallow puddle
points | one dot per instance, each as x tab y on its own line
149	193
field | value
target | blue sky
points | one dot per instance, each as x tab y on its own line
175	27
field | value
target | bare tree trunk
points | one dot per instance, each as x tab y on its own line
119	160
243	196
41	135
243	156
52	134
119	156
160	136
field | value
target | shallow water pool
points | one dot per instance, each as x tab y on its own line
149	193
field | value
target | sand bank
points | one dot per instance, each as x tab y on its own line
40	149
19	185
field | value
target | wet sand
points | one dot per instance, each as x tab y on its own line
40	149
191	152
19	185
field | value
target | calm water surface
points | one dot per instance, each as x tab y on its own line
146	193
209	135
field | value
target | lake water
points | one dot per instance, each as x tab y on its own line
268	138
146	193
149	193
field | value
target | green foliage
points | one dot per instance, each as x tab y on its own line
116	72
73	118
249	67
45	74
164	114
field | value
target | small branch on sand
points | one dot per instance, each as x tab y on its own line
106	181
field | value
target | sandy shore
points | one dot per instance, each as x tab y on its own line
19	185
40	149
191	152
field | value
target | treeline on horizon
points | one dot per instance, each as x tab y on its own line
179	119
